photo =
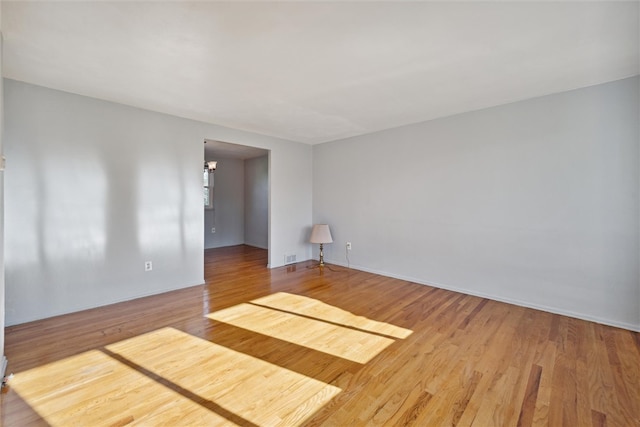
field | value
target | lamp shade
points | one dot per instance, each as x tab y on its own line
321	234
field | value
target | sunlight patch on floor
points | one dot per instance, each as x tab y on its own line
168	377
311	307
301	321
93	389
260	392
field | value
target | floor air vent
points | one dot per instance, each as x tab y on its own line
289	259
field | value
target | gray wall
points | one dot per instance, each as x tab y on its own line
256	201
227	215
535	203
94	189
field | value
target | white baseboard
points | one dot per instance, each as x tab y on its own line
554	310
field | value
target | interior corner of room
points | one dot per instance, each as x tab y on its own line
532	200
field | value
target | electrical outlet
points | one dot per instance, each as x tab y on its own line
213	229
148	266
348	246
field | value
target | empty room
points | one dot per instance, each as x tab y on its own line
309	213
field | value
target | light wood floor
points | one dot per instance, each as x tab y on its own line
299	346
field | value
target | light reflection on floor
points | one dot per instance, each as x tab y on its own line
304	321
260	392
93	389
311	307
169	377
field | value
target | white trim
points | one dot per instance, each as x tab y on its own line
3	367
554	310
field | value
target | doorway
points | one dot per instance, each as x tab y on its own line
238	193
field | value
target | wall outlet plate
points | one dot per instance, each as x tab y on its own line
148	266
348	246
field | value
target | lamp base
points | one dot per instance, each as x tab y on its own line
321	263
321	267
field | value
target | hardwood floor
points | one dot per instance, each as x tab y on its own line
299	346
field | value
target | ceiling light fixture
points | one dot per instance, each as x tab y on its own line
210	166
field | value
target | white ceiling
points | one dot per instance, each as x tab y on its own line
318	71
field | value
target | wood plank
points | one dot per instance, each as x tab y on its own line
531	395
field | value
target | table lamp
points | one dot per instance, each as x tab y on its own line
321	234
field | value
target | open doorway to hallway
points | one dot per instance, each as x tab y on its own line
237	187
